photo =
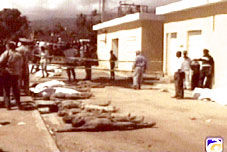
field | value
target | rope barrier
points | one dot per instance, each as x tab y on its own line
80	59
89	59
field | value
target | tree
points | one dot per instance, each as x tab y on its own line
81	20
59	28
12	24
94	12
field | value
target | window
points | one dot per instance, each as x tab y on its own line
173	35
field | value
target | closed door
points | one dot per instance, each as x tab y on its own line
171	49
195	44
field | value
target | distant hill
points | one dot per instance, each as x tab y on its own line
71	32
46	24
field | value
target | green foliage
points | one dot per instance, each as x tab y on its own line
12	24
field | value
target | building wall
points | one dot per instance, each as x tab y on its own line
138	35
220	51
212	21
152	44
129	40
180	43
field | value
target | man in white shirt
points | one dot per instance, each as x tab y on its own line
186	68
179	77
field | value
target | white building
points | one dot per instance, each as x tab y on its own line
125	35
194	25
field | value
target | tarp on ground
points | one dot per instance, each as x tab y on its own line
216	95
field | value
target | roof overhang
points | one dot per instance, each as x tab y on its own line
126	19
183	5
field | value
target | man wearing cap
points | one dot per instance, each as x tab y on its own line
25	50
11	61
139	68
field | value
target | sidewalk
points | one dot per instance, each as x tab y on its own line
26	132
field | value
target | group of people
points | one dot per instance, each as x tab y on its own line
40	56
190	74
15	58
82	54
14	71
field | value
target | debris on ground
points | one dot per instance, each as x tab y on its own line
21	123
164	90
45	107
89	84
208	120
29	105
4	122
193	118
88	117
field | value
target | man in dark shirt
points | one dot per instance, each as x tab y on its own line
195	67
113	58
207	70
70	53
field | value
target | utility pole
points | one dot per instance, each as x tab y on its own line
103	4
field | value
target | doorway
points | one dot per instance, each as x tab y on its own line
171	49
115	46
195	44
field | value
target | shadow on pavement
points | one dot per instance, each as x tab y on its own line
120	82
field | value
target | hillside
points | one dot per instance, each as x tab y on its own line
46	24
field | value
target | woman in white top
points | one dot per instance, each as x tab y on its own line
43	61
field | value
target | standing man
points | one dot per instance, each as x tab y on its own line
113	58
2	49
195	66
139	68
179	77
207	71
70	54
12	61
43	61
25	51
35	58
85	54
186	68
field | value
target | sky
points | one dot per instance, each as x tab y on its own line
39	9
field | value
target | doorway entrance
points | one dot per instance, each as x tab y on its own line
115	46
